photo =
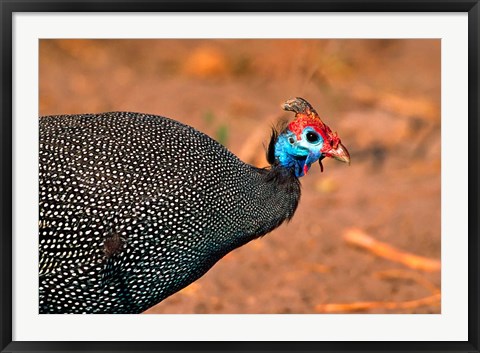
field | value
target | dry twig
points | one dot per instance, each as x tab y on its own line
359	238
433	300
408	275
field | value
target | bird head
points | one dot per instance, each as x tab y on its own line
307	139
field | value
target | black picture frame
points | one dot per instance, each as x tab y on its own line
9	7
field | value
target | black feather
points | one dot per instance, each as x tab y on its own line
129	213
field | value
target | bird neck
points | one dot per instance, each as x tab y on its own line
279	192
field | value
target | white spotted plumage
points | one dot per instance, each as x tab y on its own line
134	207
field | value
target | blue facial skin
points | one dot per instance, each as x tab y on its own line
293	153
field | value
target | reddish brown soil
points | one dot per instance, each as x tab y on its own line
383	98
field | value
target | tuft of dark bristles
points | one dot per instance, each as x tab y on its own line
276	131
271	147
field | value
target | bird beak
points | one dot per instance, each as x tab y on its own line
340	154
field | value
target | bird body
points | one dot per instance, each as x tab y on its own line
134	207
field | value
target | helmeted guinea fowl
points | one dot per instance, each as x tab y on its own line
135	207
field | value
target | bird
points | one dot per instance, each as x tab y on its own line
134	207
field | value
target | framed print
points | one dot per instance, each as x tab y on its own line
199	176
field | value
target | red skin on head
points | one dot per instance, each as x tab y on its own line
331	139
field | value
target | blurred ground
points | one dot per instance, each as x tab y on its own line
383	98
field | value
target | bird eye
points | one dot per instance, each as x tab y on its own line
291	140
312	137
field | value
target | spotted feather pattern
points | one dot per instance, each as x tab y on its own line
134	207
